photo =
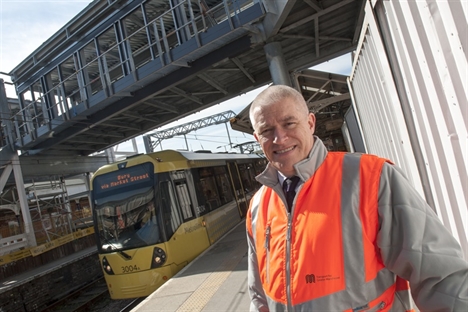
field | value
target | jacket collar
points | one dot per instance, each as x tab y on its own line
304	169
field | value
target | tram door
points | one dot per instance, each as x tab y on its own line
238	189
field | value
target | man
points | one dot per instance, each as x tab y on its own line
355	233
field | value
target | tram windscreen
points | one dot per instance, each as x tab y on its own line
124	209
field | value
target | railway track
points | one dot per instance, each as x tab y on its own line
132	304
92	297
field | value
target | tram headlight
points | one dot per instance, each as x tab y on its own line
159	258
107	267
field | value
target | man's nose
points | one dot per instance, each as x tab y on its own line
280	135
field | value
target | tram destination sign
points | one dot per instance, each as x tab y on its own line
124	177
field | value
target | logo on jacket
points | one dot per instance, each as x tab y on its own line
310	278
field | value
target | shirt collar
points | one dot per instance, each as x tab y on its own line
281	178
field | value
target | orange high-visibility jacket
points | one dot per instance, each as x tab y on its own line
346	240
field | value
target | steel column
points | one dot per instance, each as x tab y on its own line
277	64
28	225
5	115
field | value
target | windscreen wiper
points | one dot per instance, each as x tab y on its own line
123	253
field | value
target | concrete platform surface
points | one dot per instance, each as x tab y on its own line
214	281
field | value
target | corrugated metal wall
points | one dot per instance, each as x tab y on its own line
409	82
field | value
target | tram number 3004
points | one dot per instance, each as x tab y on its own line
130	268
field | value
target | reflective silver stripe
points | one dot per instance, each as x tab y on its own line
255	202
341	301
350	215
290	307
403	301
276	306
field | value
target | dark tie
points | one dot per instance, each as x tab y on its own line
289	188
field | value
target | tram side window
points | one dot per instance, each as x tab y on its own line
184	200
207	185
168	204
213	187
247	174
224	185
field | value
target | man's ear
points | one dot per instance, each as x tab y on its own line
311	121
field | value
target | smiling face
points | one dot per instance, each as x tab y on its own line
284	128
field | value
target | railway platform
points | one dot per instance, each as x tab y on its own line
215	281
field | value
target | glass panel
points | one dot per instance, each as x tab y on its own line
209	189
70	82
155	8
56	96
128	223
88	54
184	200
215	187
164	21
225	190
25	118
27	97
239	191
247	174
148	227
110	54
124	207
138	39
40	108
168	204
91	67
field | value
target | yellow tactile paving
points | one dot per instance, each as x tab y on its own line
202	295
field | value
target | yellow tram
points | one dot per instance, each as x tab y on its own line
155	213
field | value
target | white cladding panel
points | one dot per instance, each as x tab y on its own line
410	85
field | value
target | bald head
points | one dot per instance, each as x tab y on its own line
275	94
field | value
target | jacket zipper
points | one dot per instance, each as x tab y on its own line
288	265
267	247
289	307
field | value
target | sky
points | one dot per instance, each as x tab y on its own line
26	24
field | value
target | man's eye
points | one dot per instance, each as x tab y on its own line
265	132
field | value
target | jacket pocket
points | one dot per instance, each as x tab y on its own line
384	302
380	306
